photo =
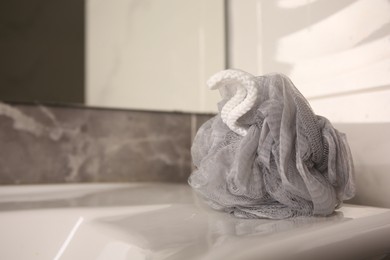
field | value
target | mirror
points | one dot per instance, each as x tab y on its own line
137	54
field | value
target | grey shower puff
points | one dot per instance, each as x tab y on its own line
283	160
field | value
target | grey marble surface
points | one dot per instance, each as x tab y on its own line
56	144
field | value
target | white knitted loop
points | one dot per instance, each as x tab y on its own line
242	101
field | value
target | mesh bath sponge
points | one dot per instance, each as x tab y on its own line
266	154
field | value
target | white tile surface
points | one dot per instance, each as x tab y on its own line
245	42
364	107
370	147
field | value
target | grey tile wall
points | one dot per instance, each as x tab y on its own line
56	144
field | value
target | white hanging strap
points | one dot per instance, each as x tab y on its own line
242	101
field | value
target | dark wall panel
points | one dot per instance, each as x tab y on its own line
42	50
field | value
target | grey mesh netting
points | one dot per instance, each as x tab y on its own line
266	154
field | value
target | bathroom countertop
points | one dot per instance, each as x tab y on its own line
167	221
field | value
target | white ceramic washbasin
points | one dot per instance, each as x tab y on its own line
166	221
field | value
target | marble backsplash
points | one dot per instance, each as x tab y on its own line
57	144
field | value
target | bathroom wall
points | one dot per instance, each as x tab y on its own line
337	53
153	54
62	144
42	51
370	147
146	54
